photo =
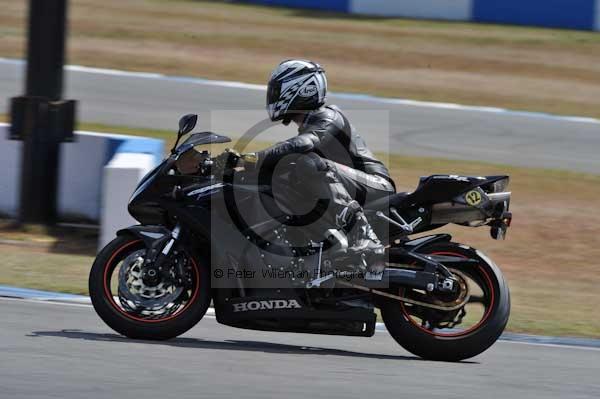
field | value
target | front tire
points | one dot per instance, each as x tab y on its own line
136	325
453	345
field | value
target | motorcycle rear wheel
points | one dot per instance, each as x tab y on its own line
410	328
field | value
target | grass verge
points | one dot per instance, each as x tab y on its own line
550	257
549	70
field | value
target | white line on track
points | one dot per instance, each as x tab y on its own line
348	96
559	346
45	302
211	314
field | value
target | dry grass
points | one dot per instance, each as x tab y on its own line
33	267
551	256
55	259
526	68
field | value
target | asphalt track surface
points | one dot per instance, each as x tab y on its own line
55	350
395	126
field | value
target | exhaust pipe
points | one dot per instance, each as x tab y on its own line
460	213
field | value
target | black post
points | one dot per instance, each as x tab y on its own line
46	48
40	118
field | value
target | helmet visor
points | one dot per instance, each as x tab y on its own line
273	92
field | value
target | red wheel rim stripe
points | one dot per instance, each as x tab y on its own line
108	295
467	331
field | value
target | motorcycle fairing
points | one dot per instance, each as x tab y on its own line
304	319
147	233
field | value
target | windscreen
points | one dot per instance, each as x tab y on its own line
201	138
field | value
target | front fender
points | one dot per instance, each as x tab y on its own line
147	233
150	234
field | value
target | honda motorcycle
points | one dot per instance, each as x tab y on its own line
206	233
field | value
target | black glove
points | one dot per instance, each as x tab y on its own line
228	156
250	160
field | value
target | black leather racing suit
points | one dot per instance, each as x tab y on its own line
337	165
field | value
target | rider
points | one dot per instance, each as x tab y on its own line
337	161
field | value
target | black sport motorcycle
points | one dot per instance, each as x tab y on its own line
221	234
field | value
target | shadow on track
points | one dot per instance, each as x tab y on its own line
252	346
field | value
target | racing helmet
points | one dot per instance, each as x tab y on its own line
295	85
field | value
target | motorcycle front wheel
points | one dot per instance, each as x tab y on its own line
459	334
160	310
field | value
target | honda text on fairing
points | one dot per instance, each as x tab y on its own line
438	299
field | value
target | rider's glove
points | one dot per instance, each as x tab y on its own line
221	160
250	160
233	153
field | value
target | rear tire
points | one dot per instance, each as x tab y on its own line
135	327
454	346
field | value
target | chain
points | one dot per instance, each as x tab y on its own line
462	303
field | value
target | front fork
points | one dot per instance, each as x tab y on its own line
160	254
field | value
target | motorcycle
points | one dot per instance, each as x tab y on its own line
203	237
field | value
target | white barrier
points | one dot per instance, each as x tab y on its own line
10	165
98	173
80	175
458	10
121	175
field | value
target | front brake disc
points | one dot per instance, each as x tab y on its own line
136	296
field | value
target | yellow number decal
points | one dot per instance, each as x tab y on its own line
473	198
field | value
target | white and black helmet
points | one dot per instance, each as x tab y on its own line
295	85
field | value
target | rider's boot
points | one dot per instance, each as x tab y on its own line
365	252
356	248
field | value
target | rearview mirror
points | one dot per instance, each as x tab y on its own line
187	123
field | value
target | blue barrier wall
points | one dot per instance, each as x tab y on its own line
137	145
573	14
570	14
